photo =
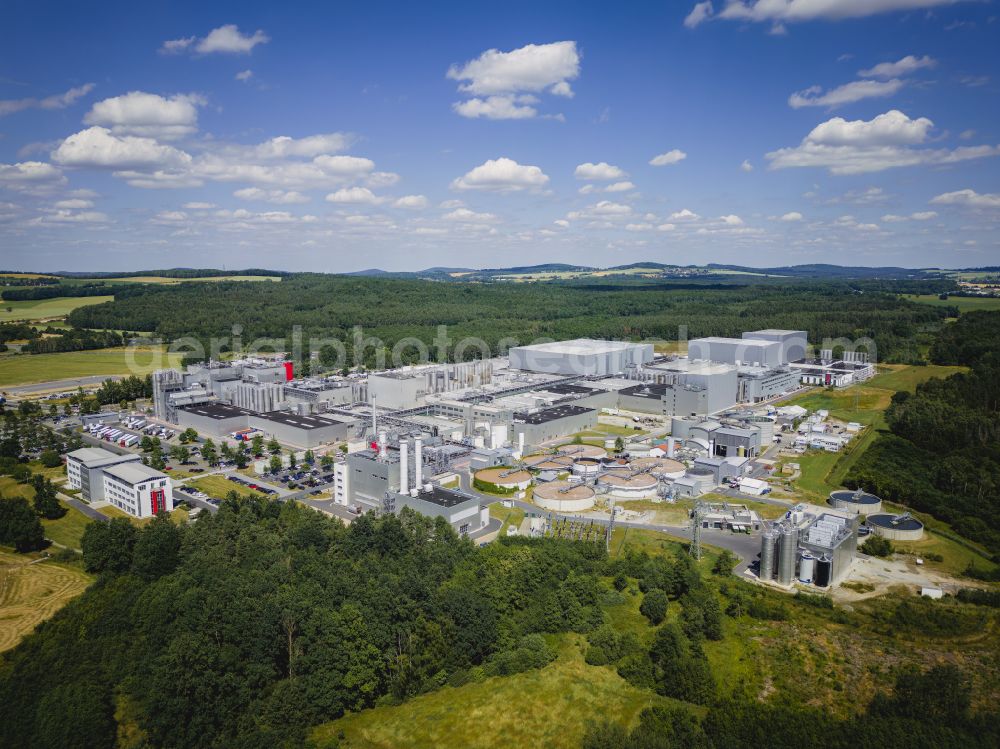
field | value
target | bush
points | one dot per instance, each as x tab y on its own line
654	606
51	459
762	608
877	546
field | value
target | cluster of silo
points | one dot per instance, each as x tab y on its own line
788	551
768	553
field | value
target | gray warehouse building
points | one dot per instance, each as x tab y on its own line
794	343
666	400
582	356
214	420
462	511
755	351
303	430
553	423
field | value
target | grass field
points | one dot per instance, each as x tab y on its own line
31	368
25	275
179	515
508	516
31	593
896	377
547	707
964	303
40	309
67	530
219	487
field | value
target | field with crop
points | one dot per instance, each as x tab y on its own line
31	591
42	309
24	369
964	303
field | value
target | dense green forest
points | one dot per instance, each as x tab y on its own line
49	339
942	452
246	628
394	309
61	290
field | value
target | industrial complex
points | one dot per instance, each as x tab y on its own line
392	435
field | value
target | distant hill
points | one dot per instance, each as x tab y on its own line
550	271
823	270
172	273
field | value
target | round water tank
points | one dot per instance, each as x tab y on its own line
896	527
562	496
583	451
587	467
824	571
858	501
806	565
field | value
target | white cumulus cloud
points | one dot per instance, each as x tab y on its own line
28	171
779	12
501	175
600	171
901	67
99	148
968	197
792	216
814	96
887	141
227	39
147	115
411	201
498	82
353	195
670	157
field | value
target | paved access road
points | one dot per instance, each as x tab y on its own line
71	383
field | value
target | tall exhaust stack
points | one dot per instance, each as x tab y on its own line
418	462
374	419
404	467
670	447
381	445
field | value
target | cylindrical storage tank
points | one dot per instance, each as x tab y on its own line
587	467
704	479
766	426
680	427
768	544
896	527
549	462
806	567
824	569
788	546
583	451
623	486
562	496
858	501
660	467
505	478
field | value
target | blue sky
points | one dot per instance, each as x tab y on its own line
336	137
